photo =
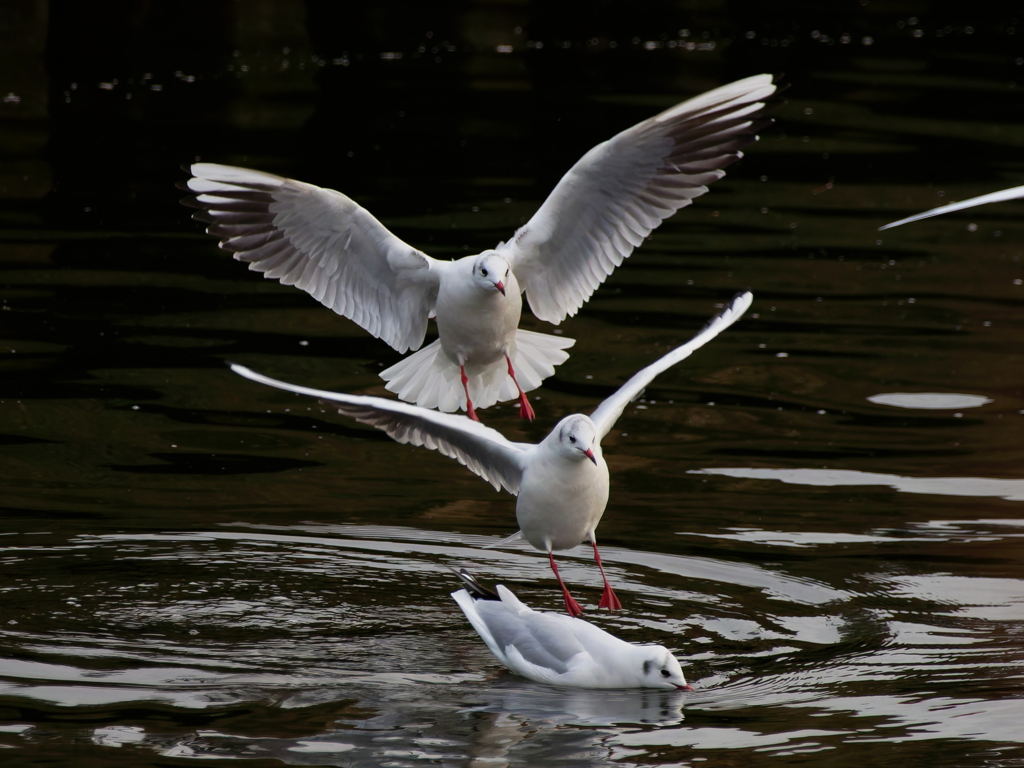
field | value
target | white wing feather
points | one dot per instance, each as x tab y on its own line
482	450
544	641
540	646
322	242
608	412
622	189
992	197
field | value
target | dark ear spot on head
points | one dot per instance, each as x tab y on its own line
647	666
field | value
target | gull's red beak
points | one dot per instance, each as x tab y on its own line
590	455
500	286
685	687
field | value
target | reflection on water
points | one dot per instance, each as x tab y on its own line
193	569
930	400
1011	490
300	620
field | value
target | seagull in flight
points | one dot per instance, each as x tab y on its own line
561	483
329	246
559	650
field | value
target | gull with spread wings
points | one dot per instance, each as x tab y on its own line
561	483
329	246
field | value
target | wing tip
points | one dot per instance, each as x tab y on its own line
739	303
910	219
475	589
239	368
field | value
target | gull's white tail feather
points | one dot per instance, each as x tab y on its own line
430	379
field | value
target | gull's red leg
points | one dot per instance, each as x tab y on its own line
608	598
465	386
571	606
525	409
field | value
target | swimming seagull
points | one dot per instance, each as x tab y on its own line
561	482
326	244
992	197
558	650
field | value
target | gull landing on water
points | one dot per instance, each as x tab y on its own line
558	650
561	483
327	245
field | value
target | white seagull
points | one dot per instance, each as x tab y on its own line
558	650
326	244
561	482
992	197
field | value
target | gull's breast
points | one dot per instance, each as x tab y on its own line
559	509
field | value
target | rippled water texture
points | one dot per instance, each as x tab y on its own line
820	513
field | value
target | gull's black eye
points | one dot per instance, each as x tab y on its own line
572	438
665	673
483	271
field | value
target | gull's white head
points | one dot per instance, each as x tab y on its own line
658	668
575	437
492	272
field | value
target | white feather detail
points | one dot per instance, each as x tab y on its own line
623	188
608	412
1002	195
482	450
324	243
430	379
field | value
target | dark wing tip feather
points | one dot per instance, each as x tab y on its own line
476	590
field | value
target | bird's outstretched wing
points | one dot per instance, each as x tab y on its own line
320	241
992	197
608	412
482	450
623	188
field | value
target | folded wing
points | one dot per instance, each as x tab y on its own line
482	450
622	189
608	412
320	241
541	643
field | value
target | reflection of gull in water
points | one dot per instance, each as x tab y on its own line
560	650
1011	490
586	707
512	719
561	482
930	401
993	197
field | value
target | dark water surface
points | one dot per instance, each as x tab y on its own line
192	566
